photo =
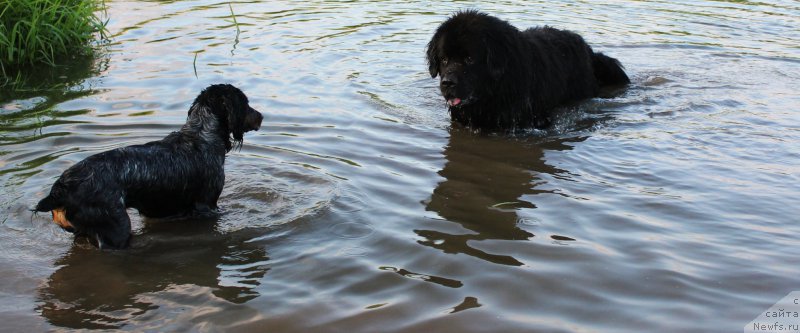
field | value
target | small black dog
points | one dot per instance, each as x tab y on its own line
180	175
496	77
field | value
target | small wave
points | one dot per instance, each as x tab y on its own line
259	194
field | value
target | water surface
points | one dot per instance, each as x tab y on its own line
358	207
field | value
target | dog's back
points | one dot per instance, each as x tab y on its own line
571	64
159	178
608	71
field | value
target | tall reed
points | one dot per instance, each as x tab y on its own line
41	31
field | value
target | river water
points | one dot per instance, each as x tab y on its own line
359	207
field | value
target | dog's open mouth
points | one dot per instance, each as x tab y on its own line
456	102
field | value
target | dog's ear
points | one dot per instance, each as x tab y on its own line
236	108
431	52
498	52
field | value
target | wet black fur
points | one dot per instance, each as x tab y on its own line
509	79
180	175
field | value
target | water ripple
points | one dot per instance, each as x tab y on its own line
359	207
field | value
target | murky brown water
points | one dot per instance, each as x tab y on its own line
358	208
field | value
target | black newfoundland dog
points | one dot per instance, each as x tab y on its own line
180	175
496	77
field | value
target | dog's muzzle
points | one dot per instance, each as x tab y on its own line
253	120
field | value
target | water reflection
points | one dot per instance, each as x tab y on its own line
102	289
486	178
27	81
29	96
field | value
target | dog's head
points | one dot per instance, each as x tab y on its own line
232	111
470	52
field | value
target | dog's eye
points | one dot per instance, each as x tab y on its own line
444	61
469	61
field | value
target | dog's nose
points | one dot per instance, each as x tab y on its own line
448	81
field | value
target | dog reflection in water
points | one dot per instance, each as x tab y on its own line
180	175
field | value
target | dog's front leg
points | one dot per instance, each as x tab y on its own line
115	232
206	203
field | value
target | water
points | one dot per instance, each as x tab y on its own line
358	207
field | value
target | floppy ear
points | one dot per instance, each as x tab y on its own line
236	109
433	61
498	52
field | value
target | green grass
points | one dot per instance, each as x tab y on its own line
42	31
235	22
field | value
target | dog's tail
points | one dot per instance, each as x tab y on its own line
608	71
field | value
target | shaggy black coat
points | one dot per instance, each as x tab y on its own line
180	175
496	77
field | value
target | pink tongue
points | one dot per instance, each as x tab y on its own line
454	101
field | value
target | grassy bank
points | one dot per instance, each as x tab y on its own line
42	31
